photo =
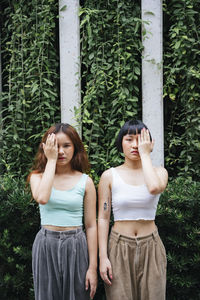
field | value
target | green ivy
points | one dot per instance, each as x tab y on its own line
30	98
182	87
111	75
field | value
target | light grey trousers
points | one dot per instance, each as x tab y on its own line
60	263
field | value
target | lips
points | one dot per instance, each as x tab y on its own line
135	152
61	158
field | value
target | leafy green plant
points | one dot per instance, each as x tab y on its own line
111	61
29	101
182	87
19	222
178	222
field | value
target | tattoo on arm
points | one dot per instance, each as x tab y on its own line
106	204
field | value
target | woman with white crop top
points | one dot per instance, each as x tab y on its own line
64	260
133	259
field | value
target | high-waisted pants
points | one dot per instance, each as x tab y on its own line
138	267
60	263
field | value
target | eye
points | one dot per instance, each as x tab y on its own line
66	145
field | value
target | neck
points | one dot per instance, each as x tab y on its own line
64	169
130	164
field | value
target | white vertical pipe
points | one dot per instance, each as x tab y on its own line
69	35
152	75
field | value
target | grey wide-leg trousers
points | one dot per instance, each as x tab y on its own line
60	263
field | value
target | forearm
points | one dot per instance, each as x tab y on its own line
150	176
44	189
103	229
91	233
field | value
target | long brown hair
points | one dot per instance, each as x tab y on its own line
79	161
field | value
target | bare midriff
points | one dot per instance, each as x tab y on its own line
135	228
60	228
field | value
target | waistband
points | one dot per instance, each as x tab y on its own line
121	237
60	234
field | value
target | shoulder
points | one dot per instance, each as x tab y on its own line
89	184
107	174
89	180
106	179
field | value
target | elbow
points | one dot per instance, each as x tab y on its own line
89	226
154	190
41	201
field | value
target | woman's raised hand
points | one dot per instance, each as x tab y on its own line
145	146
50	147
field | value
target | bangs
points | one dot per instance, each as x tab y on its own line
134	129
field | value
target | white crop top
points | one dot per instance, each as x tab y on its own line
132	202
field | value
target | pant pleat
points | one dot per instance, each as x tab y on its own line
59	266
139	267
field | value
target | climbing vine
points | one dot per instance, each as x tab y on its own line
182	87
111	67
30	99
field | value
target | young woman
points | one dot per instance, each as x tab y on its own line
134	265
61	267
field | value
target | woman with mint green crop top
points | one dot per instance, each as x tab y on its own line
64	258
133	259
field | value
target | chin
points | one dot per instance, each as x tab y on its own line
135	157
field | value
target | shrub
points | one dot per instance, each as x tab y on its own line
19	222
177	218
178	221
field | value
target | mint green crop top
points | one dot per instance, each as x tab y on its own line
65	208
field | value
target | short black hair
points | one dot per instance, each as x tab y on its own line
130	127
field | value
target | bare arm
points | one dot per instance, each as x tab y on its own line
104	196
91	232
41	184
155	178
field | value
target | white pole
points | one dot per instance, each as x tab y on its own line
152	75
69	34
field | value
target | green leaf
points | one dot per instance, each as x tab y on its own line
63	8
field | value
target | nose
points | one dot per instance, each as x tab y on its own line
60	150
135	143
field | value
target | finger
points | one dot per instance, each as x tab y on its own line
139	139
86	284
52	138
152	144
106	280
110	273
92	291
147	135
48	140
142	135
56	142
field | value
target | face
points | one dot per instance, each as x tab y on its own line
130	146
65	148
